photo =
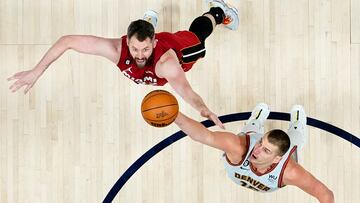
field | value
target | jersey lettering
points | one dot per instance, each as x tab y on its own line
248	182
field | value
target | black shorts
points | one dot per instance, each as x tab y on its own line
202	28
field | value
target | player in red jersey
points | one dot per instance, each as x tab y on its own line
146	57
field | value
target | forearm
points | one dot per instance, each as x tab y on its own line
194	100
193	129
52	54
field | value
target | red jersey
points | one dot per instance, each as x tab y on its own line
184	43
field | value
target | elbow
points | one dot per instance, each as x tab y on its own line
331	196
328	197
65	41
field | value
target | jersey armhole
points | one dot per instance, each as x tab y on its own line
247	138
123	51
280	185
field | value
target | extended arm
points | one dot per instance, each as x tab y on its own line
298	176
171	70
108	48
230	143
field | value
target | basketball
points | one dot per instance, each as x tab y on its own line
159	108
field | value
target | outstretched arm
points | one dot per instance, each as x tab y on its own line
171	70
296	175
230	143
108	48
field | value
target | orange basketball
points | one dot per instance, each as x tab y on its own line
159	108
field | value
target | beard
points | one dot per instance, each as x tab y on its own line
142	62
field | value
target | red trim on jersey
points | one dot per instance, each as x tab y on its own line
272	167
244	156
284	166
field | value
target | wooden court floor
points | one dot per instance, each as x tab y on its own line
80	127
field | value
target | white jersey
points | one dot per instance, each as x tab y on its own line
244	175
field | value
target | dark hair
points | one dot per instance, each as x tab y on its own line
280	139
141	29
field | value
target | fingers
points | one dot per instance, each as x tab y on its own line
210	115
12	78
16	88
15	76
28	88
14	84
218	122
17	85
221	125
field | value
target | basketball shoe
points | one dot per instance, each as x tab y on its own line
231	20
297	127
151	16
258	116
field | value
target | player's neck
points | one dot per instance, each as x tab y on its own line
261	168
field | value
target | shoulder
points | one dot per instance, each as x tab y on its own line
169	57
244	143
240	147
116	46
293	173
168	65
116	43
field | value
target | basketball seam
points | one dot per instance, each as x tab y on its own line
160	92
158	107
164	119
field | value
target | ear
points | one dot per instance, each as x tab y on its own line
155	43
277	159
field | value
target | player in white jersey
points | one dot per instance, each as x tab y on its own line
262	161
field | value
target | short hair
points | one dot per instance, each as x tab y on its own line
141	29
280	139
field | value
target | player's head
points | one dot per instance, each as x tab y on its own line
270	148
141	41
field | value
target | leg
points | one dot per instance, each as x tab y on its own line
219	13
202	27
257	119
297	128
